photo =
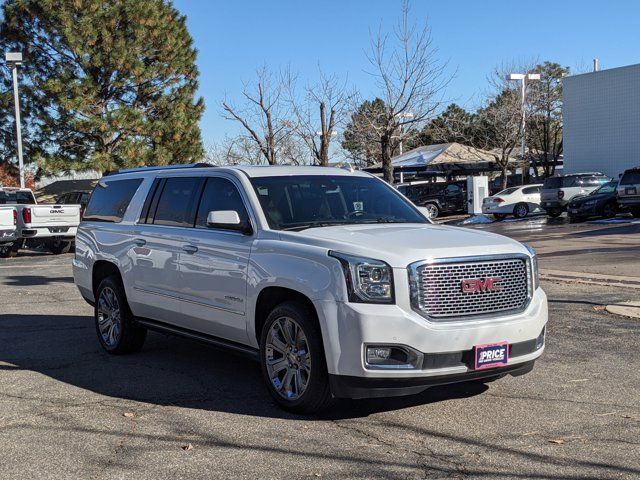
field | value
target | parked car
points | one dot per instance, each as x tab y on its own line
52	226
8	222
516	201
80	197
332	279
602	202
559	190
437	197
629	190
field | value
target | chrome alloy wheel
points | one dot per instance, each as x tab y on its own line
433	210
109	321
521	211
287	358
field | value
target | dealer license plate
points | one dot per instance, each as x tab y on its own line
491	355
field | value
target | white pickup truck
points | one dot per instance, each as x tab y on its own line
8	221
52	226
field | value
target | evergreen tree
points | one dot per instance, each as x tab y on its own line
111	82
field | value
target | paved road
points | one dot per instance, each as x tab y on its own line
62	404
611	248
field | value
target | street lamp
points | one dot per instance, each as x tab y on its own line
14	59
523	77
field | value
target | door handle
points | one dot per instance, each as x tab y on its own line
140	242
191	249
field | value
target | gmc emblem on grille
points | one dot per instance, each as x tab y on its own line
473	285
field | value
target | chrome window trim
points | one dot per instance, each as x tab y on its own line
414	289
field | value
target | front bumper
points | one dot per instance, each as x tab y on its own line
343	386
347	328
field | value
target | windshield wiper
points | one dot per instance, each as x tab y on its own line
297	228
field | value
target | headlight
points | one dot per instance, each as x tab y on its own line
368	280
534	266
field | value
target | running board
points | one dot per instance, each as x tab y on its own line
200	337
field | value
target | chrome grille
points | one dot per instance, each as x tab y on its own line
437	288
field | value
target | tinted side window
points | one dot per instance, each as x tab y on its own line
176	206
110	200
220	194
591	181
530	190
454	189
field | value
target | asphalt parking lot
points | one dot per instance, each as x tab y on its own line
68	410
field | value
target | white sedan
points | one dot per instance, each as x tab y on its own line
516	201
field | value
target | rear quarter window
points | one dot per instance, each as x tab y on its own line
552	182
630	178
110	200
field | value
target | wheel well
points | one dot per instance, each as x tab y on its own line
270	297
101	270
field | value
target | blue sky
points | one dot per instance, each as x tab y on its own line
233	38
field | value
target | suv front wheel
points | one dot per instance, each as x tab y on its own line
292	359
115	324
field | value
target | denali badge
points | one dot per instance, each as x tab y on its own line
473	285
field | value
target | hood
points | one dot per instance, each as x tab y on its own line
582	199
402	244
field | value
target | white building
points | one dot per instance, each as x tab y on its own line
602	121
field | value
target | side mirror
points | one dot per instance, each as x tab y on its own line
229	220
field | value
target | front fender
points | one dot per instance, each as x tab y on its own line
306	269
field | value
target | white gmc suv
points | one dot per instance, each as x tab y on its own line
331	278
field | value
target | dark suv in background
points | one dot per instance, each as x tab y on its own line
558	191
437	197
629	190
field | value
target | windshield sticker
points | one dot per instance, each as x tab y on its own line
358	206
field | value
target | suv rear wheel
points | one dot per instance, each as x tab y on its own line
292	359
554	212
115	324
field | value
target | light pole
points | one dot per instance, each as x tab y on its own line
523	77
14	59
402	115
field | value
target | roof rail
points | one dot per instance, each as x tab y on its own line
159	167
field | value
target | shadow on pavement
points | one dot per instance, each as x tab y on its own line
34	280
168	371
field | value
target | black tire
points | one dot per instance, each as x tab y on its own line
609	210
554	212
635	211
58	247
9	250
499	216
130	337
316	395
521	210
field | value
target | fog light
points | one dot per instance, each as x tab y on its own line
393	357
540	339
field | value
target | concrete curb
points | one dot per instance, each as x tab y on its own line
591	278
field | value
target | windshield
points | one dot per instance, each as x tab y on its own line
297	202
609	187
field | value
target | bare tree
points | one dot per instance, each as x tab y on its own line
240	150
264	115
321	109
410	82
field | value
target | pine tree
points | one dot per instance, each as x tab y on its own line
112	82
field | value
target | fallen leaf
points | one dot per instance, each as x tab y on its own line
558	441
128	414
187	447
